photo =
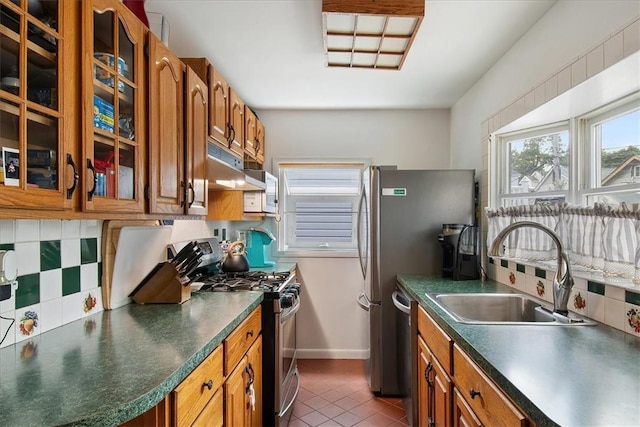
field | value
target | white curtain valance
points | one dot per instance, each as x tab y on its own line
601	238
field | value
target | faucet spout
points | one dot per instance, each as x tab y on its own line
562	280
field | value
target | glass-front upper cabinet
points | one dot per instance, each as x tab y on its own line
37	169
114	138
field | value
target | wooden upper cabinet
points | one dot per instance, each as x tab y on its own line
39	105
197	109
236	115
250	126
114	90
167	186
260	141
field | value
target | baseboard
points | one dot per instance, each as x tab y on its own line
332	354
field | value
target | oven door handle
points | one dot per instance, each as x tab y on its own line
295	395
291	312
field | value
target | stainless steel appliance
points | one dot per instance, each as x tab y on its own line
400	215
460	257
280	377
262	201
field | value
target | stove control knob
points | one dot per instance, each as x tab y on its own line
296	288
286	300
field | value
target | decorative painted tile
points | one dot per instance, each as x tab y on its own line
50	229
27	322
89	303
69	252
579	301
540	288
512	278
50	284
50	255
633	319
28	257
28	292
70	280
88	250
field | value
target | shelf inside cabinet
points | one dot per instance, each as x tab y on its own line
105	92
35	117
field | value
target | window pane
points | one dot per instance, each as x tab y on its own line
620	149
539	164
324	222
310	180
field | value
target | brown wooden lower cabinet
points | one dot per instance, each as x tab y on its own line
206	397
467	397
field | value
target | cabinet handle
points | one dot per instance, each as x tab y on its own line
473	393
257	142
184	194
199	90
249	333
208	384
427	374
91	192
76	176
165	61
193	194
232	135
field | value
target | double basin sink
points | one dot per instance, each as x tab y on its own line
500	309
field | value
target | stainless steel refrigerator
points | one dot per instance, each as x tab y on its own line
400	215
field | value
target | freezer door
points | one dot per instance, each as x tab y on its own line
373	365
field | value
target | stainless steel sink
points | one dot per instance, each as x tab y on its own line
500	309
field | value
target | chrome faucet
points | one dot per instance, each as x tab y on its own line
562	281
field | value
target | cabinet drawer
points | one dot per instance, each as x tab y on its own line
213	414
239	341
488	403
438	341
192	395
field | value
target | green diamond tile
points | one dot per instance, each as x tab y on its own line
541	273
28	292
520	268
88	250
504	263
7	247
50	255
70	280
632	297
99	274
595	287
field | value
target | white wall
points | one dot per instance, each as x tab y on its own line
331	324
568	30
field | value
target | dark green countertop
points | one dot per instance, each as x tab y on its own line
112	366
558	375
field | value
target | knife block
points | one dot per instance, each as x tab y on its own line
161	286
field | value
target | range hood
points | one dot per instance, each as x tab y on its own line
223	175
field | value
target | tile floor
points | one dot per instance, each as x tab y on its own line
334	393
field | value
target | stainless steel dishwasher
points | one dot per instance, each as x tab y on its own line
404	346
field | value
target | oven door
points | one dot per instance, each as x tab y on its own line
287	378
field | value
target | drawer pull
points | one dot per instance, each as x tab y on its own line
208	384
250	333
473	393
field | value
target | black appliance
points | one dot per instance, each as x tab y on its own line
460	260
280	376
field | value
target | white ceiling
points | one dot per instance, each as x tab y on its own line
270	51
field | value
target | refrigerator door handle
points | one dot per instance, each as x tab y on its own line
362	217
364	302
399	305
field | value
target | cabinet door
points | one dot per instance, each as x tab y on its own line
219	121
167	186
254	364
249	132
38	104
260	141
114	122
463	416
235	396
424	367
197	104
434	389
236	114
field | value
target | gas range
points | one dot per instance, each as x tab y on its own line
276	286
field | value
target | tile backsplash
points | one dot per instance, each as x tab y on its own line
59	271
611	305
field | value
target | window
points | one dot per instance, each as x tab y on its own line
319	202
534	166
613	140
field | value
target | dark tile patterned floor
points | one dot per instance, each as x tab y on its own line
334	393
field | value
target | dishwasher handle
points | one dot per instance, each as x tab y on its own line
364	302
399	305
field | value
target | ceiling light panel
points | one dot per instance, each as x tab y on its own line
369	33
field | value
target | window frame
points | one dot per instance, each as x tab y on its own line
284	249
